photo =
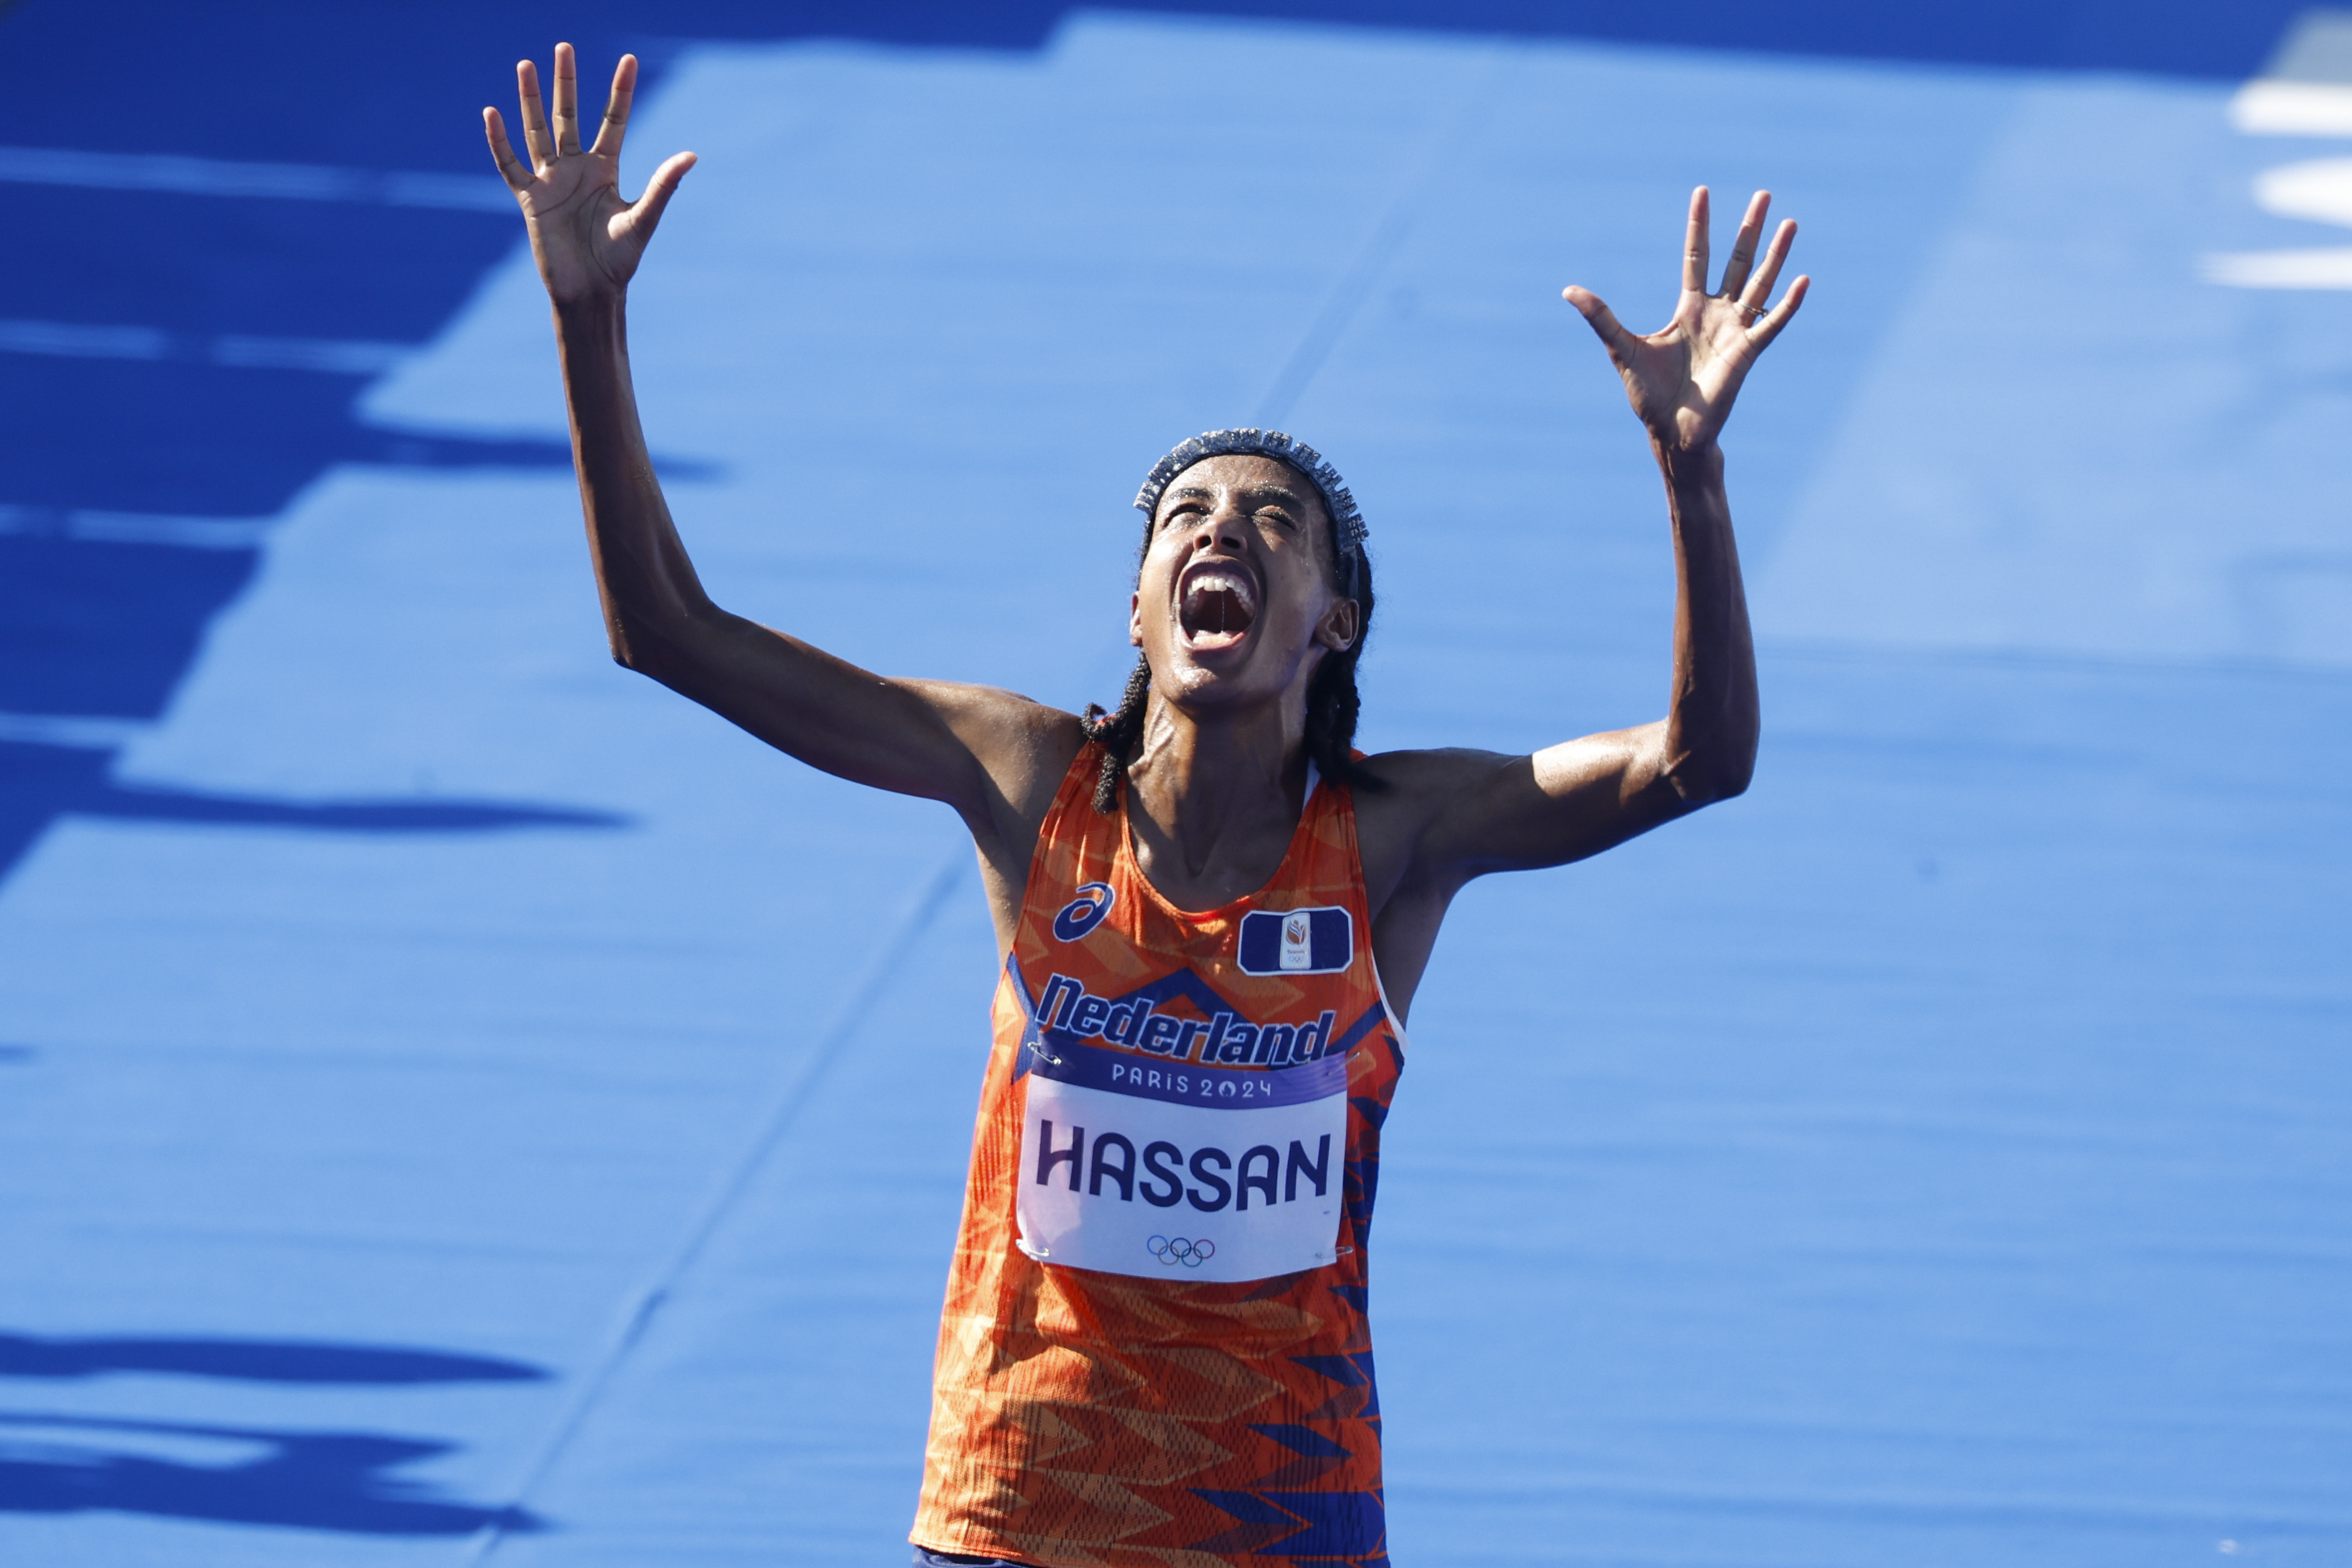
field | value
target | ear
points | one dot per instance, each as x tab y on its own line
1135	619
1337	630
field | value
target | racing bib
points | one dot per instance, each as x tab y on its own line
1178	1170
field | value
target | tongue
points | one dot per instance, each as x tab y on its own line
1215	610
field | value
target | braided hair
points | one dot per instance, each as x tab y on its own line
1332	700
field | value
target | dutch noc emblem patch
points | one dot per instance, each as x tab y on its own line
1296	942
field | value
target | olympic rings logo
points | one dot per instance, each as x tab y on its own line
1173	1250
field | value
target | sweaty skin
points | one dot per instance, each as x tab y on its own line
1221	778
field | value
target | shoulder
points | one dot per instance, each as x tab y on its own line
1024	747
1408	786
1410	795
991	711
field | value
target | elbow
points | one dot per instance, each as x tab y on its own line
1710	777
634	643
1736	771
638	659
1710	790
1708	747
670	655
1733	783
625	651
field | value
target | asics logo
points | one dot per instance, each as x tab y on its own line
1173	1250
1085	912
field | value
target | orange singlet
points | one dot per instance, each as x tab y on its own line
1154	1348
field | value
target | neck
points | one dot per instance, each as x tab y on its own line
1214	798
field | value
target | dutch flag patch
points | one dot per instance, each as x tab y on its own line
1296	942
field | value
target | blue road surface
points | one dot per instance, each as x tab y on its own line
460	1103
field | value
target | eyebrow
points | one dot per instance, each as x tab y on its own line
1255	493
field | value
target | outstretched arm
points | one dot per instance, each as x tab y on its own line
1459	813
987	753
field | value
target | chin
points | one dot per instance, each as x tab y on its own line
1218	678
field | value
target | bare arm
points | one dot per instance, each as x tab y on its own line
1457	814
988	754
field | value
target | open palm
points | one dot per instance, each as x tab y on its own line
586	239
1682	379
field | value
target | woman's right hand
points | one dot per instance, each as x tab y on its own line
586	239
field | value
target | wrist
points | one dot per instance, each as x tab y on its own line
1700	464
589	310
591	329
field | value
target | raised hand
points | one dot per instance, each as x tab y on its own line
1682	380
586	239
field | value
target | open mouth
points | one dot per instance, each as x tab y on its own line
1215	606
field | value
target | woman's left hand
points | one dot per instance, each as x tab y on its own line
1682	380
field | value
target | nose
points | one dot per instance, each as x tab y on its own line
1220	529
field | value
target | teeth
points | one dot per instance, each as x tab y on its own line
1225	582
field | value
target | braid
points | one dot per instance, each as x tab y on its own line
1332	700
1118	733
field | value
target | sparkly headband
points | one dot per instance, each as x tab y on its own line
1347	522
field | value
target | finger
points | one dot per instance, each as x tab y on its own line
517	171
647	211
1762	333
534	116
1743	249
567	101
1603	321
616	109
1759	288
1694	246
